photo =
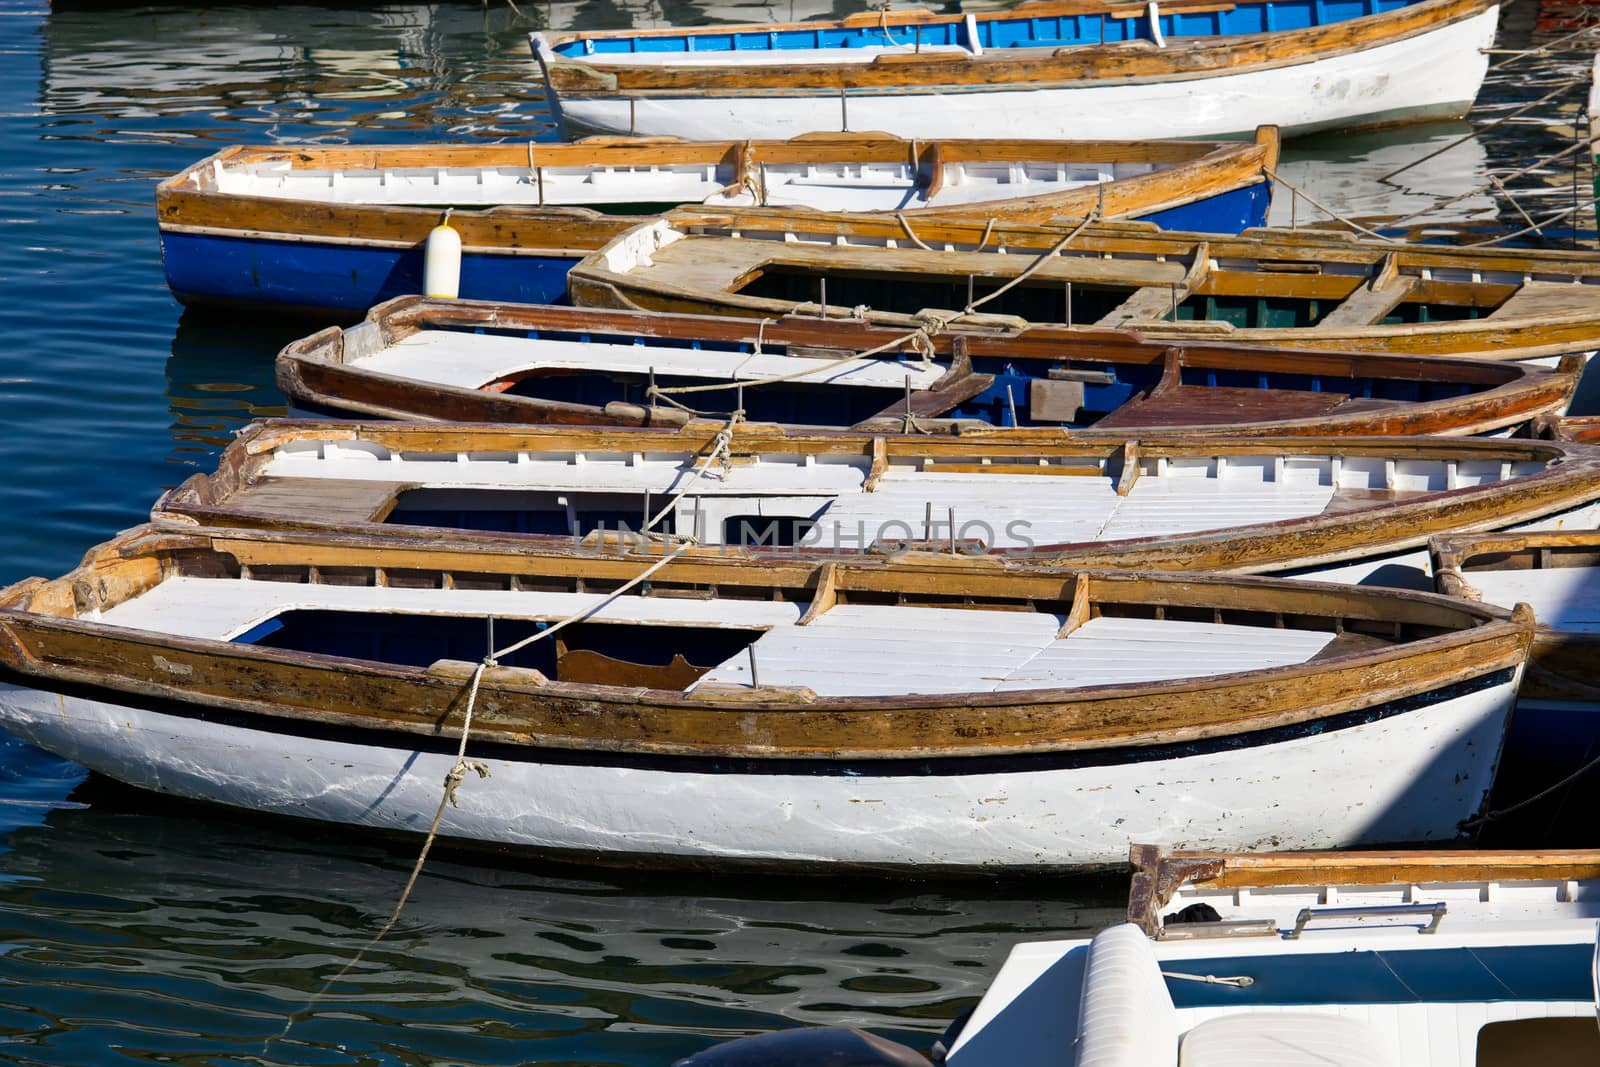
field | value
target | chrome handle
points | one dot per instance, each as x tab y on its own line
1373	911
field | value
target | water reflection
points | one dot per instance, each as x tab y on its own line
202	931
220	379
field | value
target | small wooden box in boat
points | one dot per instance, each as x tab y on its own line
1028	720
339	228
1341	959
1284	288
1557	572
487	362
1184	68
1258	506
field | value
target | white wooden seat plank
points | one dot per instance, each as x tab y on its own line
867	650
1111	651
471	361
1052	509
223	608
1563	598
1159	506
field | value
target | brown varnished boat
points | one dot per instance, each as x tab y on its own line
726	711
1248	506
1283	288
489	362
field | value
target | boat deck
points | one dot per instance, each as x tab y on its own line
840	652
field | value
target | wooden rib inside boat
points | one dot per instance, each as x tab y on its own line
1151	502
741	710
1295	289
485	362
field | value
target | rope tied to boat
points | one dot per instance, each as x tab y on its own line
929	323
1238	981
1294	190
720	447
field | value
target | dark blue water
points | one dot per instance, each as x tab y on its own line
134	930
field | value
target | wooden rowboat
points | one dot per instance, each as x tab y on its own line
320	228
1139	503
1465	958
1291	289
1555	572
1058	68
485	362
732	711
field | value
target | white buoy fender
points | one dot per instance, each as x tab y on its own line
441	261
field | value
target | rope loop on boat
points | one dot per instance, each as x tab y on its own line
929	323
1238	981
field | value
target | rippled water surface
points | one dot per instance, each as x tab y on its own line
134	930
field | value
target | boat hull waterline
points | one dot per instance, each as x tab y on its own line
1408	777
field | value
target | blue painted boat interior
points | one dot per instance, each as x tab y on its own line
1004	403
1410	976
419	640
1001	32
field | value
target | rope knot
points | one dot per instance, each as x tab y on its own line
457	773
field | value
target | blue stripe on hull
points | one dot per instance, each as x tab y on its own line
996	33
307	276
1229	212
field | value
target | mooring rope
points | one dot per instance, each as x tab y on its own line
459	770
1295	190
921	338
1490	816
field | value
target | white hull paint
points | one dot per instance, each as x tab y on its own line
1408	777
1432	75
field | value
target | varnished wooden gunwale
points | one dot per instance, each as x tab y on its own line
313	372
1075	65
1572	478
1159	874
43	642
1583	429
189	202
1563	665
1265	262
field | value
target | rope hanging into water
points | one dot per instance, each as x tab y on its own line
1295	190
1490	816
459	770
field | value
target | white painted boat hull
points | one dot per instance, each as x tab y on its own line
1410	776
1433	75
